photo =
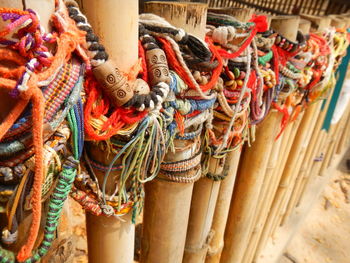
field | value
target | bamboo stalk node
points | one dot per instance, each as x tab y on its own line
196	250
214	250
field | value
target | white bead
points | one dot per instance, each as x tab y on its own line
160	99
142	108
163	85
180	35
151	105
159	106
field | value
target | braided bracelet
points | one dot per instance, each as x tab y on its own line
197	48
194	52
227	20
188	177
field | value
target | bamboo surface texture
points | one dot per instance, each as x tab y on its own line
287	144
248	186
206	191
167	204
222	207
111	240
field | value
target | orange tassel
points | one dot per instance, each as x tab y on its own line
180	120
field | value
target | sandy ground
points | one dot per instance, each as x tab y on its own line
325	235
79	231
323	238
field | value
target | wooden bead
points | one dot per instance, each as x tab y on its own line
141	87
230	75
114	84
230	82
241	75
157	64
234	85
196	75
204	80
239	82
267	78
237	72
278	40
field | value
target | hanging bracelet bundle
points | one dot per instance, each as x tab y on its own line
39	153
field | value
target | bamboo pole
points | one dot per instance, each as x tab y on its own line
271	223
332	141
204	196
322	23
222	207
167	204
166	212
192	17
329	147
339	131
275	167
346	142
318	23
286	146
288	176
304	26
264	193
248	185
223	203
345	121
111	239
205	192
337	22
294	188
251	177
321	151
314	149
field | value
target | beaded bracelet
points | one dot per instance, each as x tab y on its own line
289	45
218	177
112	80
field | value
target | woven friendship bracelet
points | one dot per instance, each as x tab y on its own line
183	177
183	165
